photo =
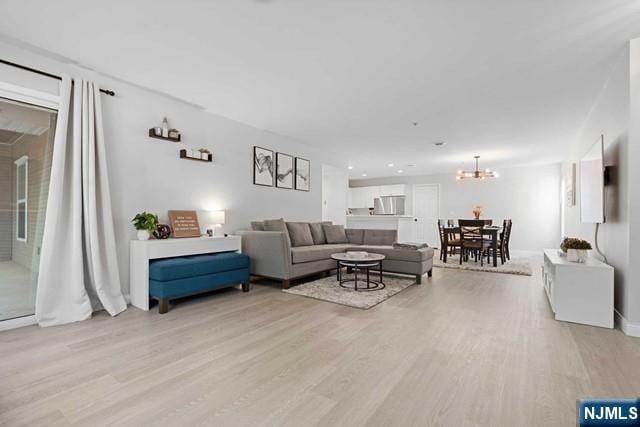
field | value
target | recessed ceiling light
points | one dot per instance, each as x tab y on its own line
400	171
364	174
390	165
439	143
349	167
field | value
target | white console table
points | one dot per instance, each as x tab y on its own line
141	251
579	292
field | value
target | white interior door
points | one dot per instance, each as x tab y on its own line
426	210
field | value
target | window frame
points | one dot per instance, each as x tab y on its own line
22	162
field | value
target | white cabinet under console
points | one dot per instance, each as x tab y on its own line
579	293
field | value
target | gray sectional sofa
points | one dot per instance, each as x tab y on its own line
290	250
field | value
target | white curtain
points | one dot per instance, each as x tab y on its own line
78	260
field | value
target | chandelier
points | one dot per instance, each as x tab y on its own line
477	174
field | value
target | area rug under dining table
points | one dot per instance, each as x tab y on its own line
328	289
519	264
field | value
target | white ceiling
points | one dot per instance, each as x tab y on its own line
511	80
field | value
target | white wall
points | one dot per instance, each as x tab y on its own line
335	182
147	174
609	116
530	196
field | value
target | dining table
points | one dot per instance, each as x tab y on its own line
491	230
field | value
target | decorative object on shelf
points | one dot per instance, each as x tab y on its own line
152	134
196	155
165	128
174	134
284	171
146	224
303	174
263	166
477	211
162	231
204	153
476	174
576	249
163	132
184	223
214	219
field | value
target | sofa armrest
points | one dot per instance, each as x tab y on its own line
269	251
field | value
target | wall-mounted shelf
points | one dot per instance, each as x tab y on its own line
166	138
184	155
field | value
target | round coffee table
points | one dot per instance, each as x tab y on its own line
360	263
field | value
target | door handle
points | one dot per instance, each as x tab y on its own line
415	219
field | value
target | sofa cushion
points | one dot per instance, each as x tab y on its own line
388	251
257	226
300	234
355	235
196	265
316	253
335	234
318	233
380	237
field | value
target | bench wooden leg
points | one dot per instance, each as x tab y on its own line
163	305
430	273
286	284
419	279
246	286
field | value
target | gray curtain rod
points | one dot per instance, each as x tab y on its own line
44	73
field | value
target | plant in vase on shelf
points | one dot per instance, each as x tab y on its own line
477	211
576	249
204	153
146	223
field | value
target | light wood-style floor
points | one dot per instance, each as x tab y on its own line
463	349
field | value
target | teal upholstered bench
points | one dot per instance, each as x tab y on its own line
171	278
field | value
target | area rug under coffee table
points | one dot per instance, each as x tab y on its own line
328	289
518	265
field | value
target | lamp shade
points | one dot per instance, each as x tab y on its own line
216	217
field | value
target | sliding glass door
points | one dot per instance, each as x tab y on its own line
26	143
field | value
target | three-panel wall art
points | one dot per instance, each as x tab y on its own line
280	169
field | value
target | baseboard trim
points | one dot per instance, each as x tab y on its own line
18	322
629	328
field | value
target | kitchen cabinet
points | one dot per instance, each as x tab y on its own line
362	197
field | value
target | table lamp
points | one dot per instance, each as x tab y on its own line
214	219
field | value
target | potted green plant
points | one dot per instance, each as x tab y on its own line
204	153
576	249
146	224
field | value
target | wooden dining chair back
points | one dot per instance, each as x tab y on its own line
448	241
472	241
506	237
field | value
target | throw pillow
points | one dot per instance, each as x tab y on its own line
277	225
335	234
257	225
355	235
318	233
300	234
380	237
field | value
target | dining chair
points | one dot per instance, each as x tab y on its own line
472	241
503	241
453	242
506	237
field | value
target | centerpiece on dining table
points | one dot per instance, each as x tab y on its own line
477	211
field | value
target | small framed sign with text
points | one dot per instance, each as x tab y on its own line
184	223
